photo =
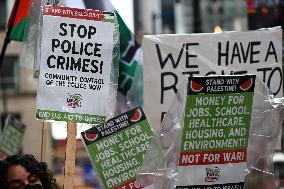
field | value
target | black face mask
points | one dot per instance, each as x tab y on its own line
35	186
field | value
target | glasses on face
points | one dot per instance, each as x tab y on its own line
20	184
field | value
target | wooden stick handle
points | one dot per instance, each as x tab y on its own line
70	156
43	141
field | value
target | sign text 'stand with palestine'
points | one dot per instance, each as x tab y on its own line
75	66
117	148
169	59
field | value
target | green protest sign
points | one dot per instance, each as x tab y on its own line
11	137
215	133
117	148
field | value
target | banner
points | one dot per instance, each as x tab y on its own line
215	133
75	66
170	59
117	148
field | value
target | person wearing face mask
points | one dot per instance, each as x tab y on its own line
25	172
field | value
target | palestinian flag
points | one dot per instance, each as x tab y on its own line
18	24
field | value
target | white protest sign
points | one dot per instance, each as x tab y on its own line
75	66
169	59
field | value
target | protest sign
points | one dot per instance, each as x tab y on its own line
215	132
76	64
11	137
117	148
170	59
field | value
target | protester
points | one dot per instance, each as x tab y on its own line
25	172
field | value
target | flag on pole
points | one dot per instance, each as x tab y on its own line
18	19
129	47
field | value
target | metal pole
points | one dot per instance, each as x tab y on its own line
10	26
4	48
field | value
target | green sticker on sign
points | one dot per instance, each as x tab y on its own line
216	130
118	146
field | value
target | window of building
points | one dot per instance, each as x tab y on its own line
9	75
3	15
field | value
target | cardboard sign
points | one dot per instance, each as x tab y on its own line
75	67
171	59
215	133
11	137
117	148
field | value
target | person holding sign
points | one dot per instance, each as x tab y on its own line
25	172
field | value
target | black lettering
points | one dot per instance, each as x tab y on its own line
66	48
72	26
48	61
86	49
97	49
85	65
81	48
245	54
236	53
74	48
187	65
75	65
224	54
264	70
93	63
101	67
92	31
67	63
254	52
270	79
60	62
165	88
169	56
80	28
49	82
55	44
269	52
62	27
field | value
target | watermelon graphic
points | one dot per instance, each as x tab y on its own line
91	136
246	85
136	116
195	87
